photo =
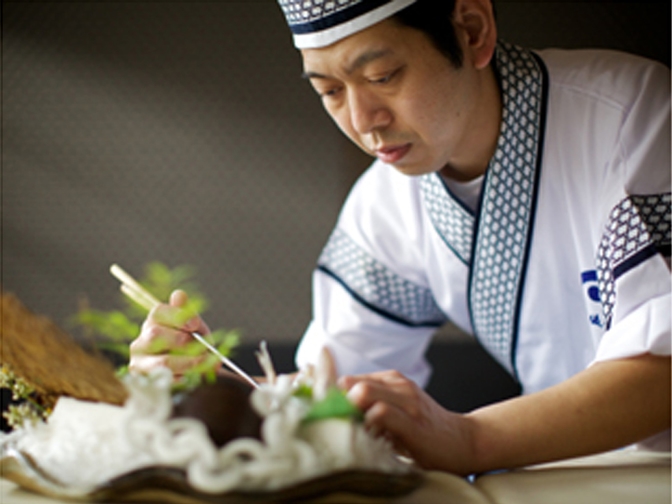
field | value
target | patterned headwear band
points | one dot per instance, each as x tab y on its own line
319	23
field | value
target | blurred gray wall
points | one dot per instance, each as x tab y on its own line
181	132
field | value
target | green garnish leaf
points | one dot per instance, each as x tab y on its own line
113	331
191	349
303	391
334	405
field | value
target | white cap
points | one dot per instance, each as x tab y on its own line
319	23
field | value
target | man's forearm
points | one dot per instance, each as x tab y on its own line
611	404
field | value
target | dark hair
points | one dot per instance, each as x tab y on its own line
434	18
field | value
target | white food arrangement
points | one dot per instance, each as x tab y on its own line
83	444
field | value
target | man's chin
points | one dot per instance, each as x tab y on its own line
412	170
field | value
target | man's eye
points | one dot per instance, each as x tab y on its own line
328	93
385	78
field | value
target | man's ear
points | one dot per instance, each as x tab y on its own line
475	26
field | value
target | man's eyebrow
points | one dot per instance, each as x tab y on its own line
312	75
359	62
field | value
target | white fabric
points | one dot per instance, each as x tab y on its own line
467	192
607	138
328	36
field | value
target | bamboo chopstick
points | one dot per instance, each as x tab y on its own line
131	288
137	297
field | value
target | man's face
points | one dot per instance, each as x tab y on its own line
398	98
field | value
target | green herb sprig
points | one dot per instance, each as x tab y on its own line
113	331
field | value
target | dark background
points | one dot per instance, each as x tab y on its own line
181	132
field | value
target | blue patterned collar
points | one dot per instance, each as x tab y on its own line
494	243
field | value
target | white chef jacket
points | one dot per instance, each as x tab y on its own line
563	263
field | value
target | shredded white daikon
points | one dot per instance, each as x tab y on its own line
83	444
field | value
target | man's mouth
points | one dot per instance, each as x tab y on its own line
393	153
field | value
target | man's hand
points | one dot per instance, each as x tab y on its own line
416	424
607	406
162	333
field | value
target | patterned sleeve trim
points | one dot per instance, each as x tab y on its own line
376	286
638	228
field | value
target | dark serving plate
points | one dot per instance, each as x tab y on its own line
170	486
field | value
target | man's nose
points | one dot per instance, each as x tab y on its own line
367	112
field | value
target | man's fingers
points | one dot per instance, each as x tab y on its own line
167	315
156	339
347	382
364	394
181	364
393	423
389	387
164	332
178	364
178	298
197	325
146	363
384	377
384	416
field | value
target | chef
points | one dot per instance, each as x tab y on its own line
522	195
